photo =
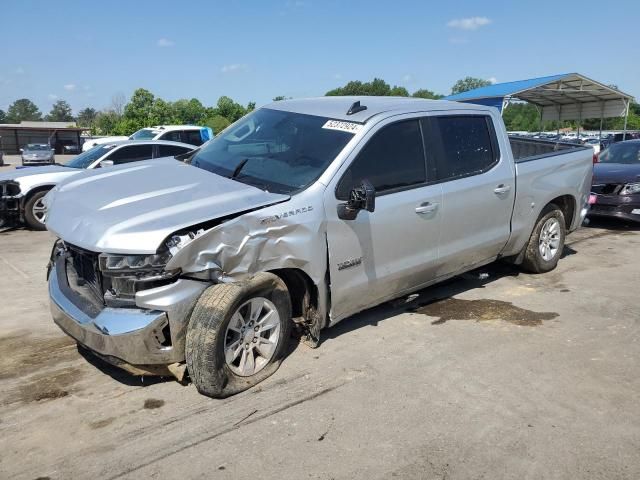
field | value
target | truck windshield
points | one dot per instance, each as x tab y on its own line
87	158
282	152
144	134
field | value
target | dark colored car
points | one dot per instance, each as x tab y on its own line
616	182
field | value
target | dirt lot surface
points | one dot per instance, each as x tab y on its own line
512	376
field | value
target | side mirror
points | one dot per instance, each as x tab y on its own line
106	163
362	197
21	150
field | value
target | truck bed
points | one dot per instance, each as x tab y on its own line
525	149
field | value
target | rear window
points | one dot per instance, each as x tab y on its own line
171	150
465	145
624	152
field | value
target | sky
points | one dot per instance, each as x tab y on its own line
85	52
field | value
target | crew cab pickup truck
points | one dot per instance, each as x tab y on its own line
301	214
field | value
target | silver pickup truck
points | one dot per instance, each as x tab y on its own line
301	214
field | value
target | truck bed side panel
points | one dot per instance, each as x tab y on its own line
542	179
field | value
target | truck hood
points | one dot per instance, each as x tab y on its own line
32	177
133	208
616	173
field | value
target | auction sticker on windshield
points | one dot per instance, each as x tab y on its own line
342	126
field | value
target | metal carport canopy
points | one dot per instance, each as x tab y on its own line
568	96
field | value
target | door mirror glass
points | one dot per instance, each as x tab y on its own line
362	197
106	163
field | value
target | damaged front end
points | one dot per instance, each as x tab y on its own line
10	203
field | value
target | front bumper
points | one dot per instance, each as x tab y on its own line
143	338
616	206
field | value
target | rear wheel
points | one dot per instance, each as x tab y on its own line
546	242
238	335
35	211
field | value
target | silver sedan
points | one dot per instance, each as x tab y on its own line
38	154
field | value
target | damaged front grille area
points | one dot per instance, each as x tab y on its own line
84	277
101	288
607	188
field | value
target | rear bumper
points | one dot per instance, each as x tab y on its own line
127	337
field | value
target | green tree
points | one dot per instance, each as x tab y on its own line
279	98
468	83
217	123
229	109
160	113
251	106
60	112
424	93
87	117
23	109
376	87
399	92
139	110
106	121
188	111
3	116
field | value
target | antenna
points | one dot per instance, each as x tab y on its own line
355	108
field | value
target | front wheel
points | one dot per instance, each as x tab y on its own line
238	334
35	211
546	242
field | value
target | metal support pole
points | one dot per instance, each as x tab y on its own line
601	117
539	119
626	117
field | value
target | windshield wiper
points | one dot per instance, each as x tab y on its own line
239	167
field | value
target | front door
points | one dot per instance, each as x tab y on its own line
393	249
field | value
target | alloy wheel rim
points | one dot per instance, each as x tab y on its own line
39	210
549	242
252	336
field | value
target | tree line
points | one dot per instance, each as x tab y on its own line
145	109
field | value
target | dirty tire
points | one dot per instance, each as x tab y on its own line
29	218
204	349
533	260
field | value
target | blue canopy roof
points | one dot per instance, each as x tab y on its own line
566	96
501	90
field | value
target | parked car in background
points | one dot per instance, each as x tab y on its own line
92	142
616	182
22	191
193	135
37	154
302	213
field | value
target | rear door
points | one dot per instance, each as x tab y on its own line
383	253
478	188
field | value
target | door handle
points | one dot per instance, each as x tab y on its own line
427	207
501	189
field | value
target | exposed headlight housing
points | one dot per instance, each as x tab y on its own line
133	265
630	189
125	275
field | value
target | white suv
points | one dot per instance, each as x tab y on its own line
193	135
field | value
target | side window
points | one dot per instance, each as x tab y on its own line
171	150
192	137
393	158
131	153
171	136
464	145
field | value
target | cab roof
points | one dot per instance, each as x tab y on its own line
337	107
